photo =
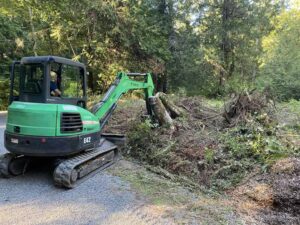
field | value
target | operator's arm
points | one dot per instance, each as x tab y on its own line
54	91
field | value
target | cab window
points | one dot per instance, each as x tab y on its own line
69	80
32	78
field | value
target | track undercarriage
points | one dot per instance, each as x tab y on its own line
70	171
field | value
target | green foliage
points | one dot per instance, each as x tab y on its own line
294	106
281	63
4	94
217	44
254	142
247	146
149	146
209	155
209	48
70	89
139	136
11	39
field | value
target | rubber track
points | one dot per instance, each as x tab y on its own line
4	164
62	173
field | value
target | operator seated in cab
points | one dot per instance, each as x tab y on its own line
54	91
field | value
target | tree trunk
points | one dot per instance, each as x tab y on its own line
33	32
160	112
169	105
90	79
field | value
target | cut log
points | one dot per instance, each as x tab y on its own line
160	112
170	106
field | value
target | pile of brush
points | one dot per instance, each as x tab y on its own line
243	106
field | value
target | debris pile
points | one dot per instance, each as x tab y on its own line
241	107
214	144
201	144
198	109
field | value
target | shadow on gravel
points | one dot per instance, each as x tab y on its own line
37	178
33	199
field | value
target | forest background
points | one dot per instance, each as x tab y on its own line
208	47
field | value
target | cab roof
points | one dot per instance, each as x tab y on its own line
49	59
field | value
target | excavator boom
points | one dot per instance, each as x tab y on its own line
124	82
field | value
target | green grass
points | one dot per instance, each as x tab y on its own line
215	103
161	191
292	106
183	204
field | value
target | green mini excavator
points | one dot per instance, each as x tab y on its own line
48	117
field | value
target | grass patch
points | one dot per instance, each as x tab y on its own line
159	190
180	203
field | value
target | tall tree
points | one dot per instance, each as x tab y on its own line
232	32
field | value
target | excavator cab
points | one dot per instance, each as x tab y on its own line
31	81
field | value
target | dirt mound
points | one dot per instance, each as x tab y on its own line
274	197
285	182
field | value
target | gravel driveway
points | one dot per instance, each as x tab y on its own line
103	199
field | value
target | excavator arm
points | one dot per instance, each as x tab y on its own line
124	82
